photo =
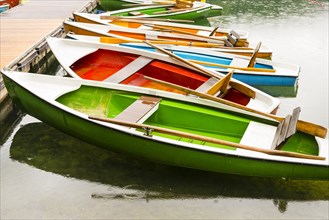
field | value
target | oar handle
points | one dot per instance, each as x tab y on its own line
311	128
206	139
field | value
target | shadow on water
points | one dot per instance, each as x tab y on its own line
10	114
46	148
202	22
280	91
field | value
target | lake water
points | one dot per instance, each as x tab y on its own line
46	174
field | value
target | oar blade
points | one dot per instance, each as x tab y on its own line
254	55
222	85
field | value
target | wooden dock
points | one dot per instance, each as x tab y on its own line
24	25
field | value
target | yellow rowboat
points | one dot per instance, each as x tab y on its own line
238	38
171	38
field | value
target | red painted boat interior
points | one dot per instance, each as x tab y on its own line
12	3
101	64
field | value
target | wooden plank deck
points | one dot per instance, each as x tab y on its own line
24	25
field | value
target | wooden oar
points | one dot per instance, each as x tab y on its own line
160	27
225	39
234	67
175	10
114	40
302	126
213	32
254	55
222	85
168	1
112	17
242	88
148	4
206	139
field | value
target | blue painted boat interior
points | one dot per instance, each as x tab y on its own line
198	56
254	80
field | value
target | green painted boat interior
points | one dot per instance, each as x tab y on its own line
150	11
301	143
178	116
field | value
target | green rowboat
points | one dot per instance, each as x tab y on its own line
168	128
198	10
111	5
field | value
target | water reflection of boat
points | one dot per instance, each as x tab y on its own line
44	147
280	91
10	116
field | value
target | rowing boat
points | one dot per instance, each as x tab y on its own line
235	40
168	11
114	63
111	5
264	73
152	34
169	128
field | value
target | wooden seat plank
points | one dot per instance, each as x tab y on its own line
129	69
139	110
235	34
240	62
232	40
265	134
207	84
